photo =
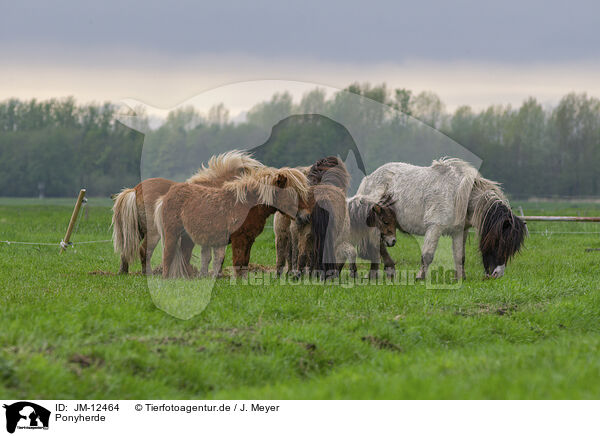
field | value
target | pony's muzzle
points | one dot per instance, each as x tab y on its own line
498	271
390	241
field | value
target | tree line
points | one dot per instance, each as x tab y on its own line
55	147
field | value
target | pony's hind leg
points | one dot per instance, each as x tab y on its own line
150	242
169	251
187	247
218	261
205	257
432	236
124	267
458	252
143	257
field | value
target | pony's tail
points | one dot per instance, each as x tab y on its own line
178	266
126	230
324	246
158	218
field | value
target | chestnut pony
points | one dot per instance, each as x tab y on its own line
134	231
234	213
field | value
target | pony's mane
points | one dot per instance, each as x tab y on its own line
485	194
329	171
360	206
263	181
226	166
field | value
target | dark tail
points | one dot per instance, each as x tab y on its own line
324	245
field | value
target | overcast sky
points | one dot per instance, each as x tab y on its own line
469	52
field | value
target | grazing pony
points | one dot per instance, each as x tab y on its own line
235	212
372	220
290	236
323	235
447	198
134	231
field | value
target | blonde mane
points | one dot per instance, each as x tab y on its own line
225	166
263	181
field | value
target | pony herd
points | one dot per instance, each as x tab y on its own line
318	229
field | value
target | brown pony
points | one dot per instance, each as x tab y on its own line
134	230
235	212
372	228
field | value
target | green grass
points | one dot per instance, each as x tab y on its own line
67	333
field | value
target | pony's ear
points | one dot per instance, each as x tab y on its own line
281	181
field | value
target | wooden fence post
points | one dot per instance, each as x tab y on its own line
65	242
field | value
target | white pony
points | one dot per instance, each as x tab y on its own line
447	198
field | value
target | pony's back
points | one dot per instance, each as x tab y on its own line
329	171
225	166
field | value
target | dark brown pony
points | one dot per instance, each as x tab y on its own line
323	233
214	217
291	238
134	230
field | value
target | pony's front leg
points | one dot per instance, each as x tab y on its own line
458	251
218	261
388	262
282	249
238	254
293	247
372	255
352	267
347	253
432	236
205	257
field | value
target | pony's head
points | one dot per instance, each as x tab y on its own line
382	216
501	237
285	189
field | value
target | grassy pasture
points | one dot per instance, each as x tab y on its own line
69	330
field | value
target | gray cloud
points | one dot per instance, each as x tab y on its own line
338	31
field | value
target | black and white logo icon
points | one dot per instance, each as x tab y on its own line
26	415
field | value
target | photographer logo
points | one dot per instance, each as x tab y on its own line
24	415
